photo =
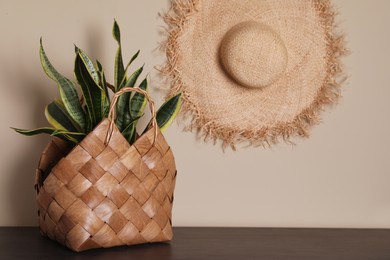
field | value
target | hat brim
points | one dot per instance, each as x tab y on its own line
223	110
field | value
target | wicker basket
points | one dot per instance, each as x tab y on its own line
105	192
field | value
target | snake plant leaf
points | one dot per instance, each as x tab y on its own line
59	118
102	79
134	77
124	79
119	69
88	64
123	116
103	84
67	89
64	135
130	131
43	130
70	136
94	95
167	112
132	59
138	101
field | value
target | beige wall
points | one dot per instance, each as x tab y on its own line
340	177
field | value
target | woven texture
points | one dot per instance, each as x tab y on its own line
253	54
291	55
101	195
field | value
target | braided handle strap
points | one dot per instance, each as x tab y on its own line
112	112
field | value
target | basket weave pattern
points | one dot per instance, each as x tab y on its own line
101	195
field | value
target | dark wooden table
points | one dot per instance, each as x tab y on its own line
216	243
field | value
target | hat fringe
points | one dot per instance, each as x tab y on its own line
328	94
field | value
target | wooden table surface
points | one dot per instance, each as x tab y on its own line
214	244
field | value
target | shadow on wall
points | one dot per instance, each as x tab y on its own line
20	189
95	43
39	91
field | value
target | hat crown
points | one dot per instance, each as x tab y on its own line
253	54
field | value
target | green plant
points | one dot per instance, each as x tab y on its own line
72	118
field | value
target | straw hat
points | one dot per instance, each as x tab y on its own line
253	70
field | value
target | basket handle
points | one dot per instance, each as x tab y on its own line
112	112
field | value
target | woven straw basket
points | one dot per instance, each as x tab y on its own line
105	192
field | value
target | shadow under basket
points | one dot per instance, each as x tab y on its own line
104	195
